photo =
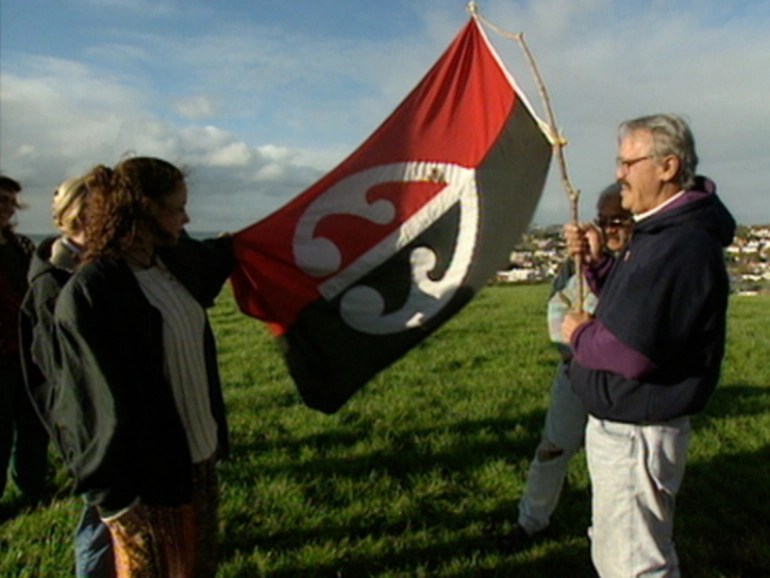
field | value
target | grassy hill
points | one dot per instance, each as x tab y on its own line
411	476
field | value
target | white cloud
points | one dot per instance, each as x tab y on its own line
611	61
60	119
236	154
275	152
195	107
282	106
271	172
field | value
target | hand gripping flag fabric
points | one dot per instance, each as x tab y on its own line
368	261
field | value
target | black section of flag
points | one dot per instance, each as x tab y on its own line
509	181
329	360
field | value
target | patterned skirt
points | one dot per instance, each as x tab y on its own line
171	542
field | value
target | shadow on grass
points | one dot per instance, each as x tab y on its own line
710	504
467	545
354	427
15	504
12	507
734	400
553	560
728	496
474	443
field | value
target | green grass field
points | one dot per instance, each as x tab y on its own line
410	476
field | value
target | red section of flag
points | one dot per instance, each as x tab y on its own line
453	116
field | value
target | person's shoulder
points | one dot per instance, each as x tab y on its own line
86	273
81	290
43	249
49	279
99	275
689	252
690	240
682	236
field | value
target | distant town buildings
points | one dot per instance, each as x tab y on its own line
541	251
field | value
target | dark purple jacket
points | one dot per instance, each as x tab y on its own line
653	351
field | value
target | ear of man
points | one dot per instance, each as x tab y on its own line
669	168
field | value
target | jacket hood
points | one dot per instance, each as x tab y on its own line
41	264
699	207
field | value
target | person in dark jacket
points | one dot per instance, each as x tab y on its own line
23	440
53	263
650	357
140	410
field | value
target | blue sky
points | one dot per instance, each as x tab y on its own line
259	99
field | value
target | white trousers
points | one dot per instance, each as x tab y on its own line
563	433
636	472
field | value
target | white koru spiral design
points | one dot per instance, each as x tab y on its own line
362	307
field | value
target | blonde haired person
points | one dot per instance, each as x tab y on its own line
53	263
69	201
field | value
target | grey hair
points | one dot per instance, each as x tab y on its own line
671	136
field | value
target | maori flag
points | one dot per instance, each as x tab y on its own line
367	262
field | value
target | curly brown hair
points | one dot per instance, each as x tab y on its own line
118	215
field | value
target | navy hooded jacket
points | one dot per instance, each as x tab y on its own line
653	351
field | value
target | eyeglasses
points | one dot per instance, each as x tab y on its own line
607	222
626	164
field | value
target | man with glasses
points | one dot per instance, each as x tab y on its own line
650	355
565	419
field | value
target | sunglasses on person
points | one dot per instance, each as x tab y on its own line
607	222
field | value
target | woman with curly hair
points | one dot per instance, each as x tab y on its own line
140	411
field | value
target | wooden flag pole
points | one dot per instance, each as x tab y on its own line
559	142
